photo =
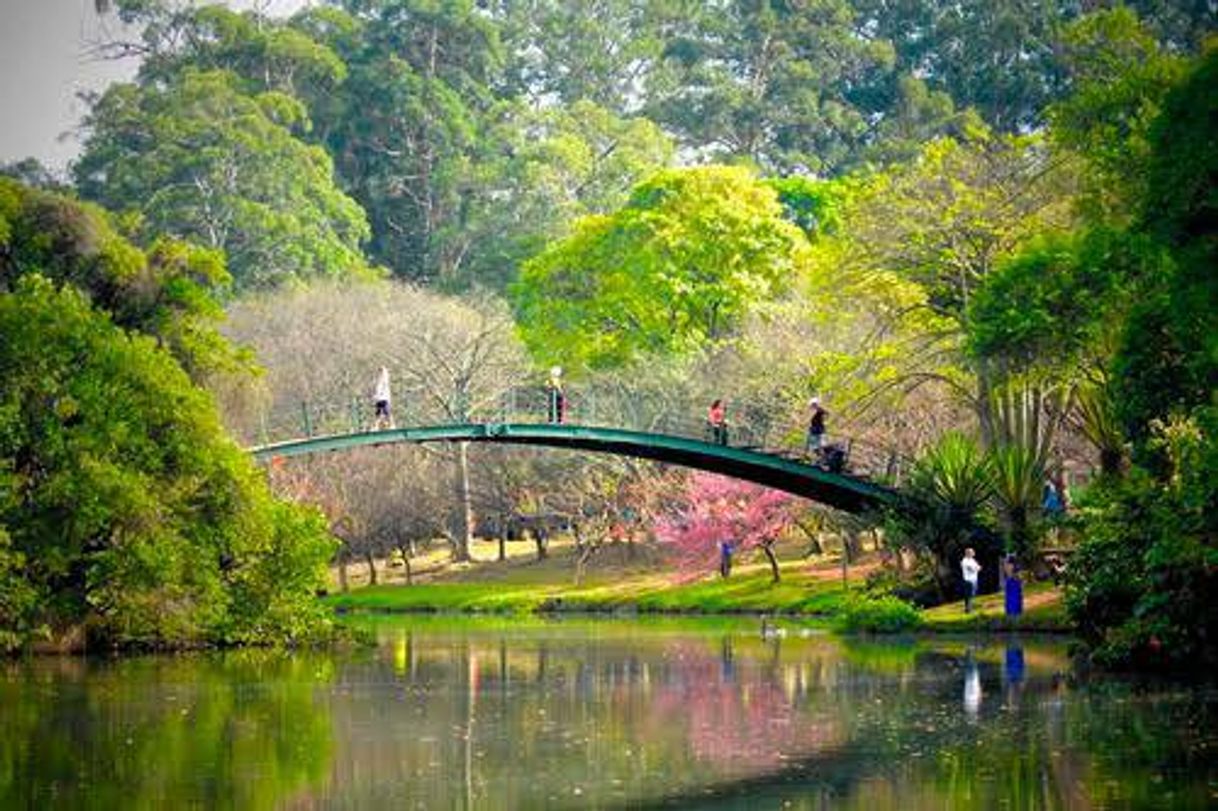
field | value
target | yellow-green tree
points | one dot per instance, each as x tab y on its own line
676	269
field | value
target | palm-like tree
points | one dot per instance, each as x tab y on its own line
1017	475
947	494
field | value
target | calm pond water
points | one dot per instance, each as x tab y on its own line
451	714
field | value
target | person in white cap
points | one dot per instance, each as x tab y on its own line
816	427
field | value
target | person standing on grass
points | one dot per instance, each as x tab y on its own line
969	569
725	558
381	397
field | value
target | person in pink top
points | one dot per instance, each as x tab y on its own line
716	422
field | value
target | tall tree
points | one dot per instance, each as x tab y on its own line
266	53
782	85
1119	76
405	133
703	244
567	51
997	56
538	173
167	292
199	159
136	518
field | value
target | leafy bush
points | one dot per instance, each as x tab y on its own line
916	586
1140	586
881	615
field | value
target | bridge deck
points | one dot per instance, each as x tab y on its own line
839	490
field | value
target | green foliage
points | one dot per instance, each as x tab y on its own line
1059	304
267	55
945	501
166	292
816	206
408	132
1018	472
539	172
780	85
17	598
956	475
879	615
947	219
997	56
136	517
1140	586
674	270
1181	205
1120	76
1168	359
199	158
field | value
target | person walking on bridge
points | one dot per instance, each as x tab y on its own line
556	401
381	399
816	427
716	422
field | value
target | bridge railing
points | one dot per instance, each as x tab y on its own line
748	427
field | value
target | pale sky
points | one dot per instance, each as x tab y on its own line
45	62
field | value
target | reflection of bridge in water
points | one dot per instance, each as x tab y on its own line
846	474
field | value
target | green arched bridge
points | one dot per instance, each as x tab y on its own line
842	490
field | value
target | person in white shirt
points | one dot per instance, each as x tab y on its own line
969	568
381	397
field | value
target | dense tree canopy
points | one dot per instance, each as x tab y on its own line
166	292
678	266
198	158
126	513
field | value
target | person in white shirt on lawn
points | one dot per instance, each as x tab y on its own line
969	568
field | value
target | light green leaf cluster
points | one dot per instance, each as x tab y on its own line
674	270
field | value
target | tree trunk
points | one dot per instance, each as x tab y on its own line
407	552
342	573
541	539
581	562
464	523
502	545
769	553
368	556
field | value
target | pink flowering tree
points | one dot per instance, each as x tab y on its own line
713	510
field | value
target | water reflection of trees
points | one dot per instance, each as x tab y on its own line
581	719
677	719
234	731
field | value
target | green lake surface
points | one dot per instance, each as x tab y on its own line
573	713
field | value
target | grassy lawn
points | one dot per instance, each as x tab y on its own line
624	580
1043	611
803	590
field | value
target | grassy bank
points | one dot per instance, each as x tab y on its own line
1044	612
801	591
628	581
